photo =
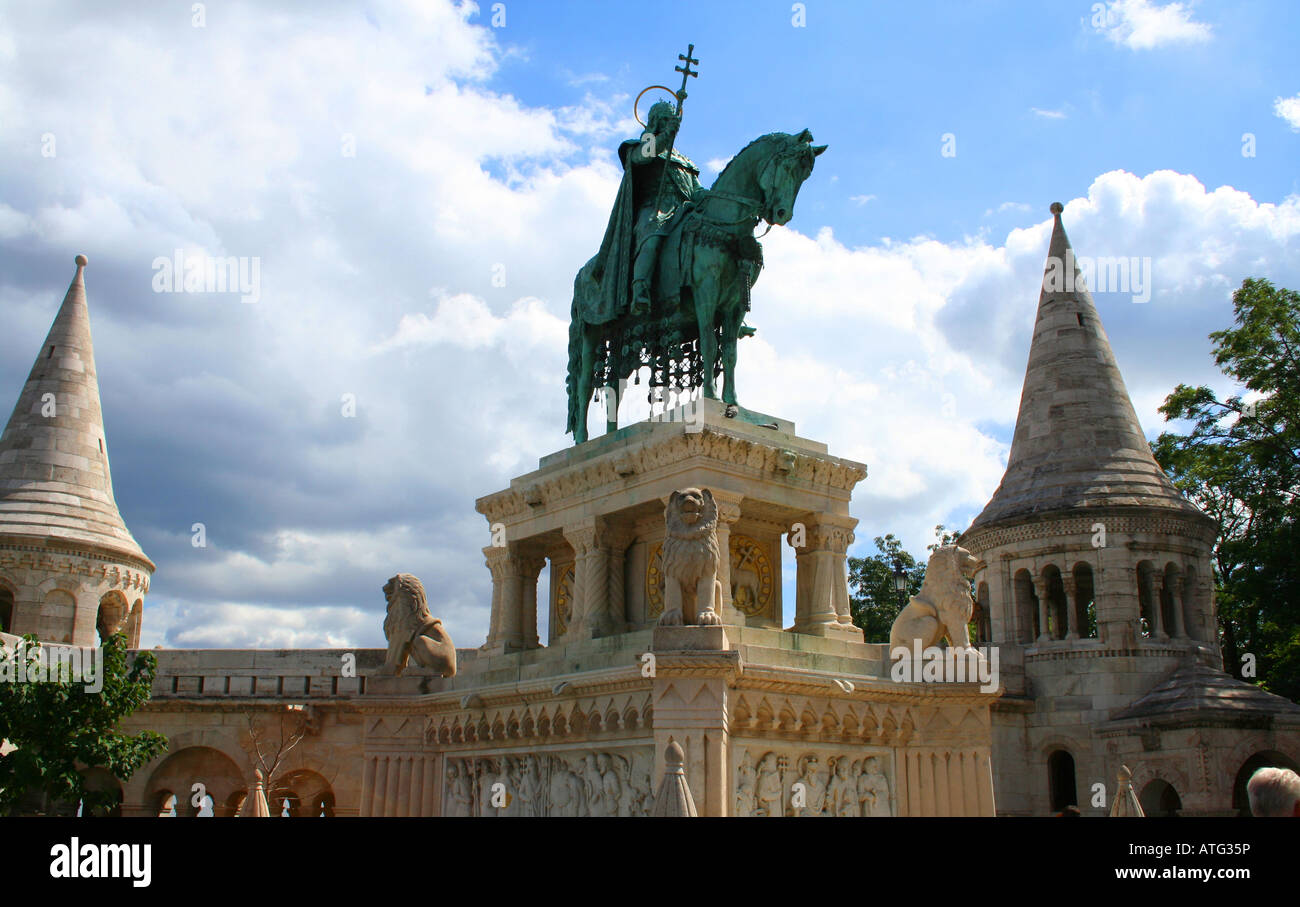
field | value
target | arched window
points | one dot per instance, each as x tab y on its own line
1057	620
112	614
1263	759
307	793
1060	780
165	804
1169	600
1147	610
1085	601
983	619
1160	800
196	770
6	610
1026	606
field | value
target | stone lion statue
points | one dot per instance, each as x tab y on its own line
413	632
692	591
944	604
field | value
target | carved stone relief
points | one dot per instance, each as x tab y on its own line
751	577
580	783
563	602
810	783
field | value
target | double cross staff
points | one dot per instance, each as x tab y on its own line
687	73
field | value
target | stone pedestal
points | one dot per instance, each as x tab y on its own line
596	513
693	672
771	722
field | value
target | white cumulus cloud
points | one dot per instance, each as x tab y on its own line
1145	25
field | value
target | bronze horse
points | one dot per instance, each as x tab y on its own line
707	263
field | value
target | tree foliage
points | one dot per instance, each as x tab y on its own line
1240	462
58	728
873	601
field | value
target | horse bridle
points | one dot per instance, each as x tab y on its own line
752	205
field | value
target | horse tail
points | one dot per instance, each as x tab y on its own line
575	358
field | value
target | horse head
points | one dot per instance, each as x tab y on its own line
784	173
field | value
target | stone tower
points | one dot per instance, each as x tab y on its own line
70	570
1098	582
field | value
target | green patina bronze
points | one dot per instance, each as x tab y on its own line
669	288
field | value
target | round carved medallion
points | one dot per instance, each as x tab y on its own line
654	582
563	602
751	577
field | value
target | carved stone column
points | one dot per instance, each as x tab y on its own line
1207	611
590	617
616	543
530	567
1040	590
1071	605
1176	595
513	624
1115	596
728	513
822	583
496	558
1158	604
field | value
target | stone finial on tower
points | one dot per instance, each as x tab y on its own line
674	798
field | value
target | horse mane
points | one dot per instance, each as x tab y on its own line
770	137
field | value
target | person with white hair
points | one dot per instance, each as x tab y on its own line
1274	792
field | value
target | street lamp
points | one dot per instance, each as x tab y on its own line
900	582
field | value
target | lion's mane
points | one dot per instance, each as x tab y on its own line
690	550
408	608
946	589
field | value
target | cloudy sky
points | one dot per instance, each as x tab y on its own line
418	182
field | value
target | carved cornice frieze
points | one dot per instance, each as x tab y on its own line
736	453
1122	524
618	713
790	681
116	574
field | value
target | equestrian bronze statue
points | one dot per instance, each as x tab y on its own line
670	286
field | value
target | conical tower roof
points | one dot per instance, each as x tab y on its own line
1078	442
55	484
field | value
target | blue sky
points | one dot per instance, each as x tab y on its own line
1039	100
384	161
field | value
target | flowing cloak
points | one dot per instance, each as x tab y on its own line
603	289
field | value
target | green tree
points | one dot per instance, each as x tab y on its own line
873	601
1240	462
58	729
